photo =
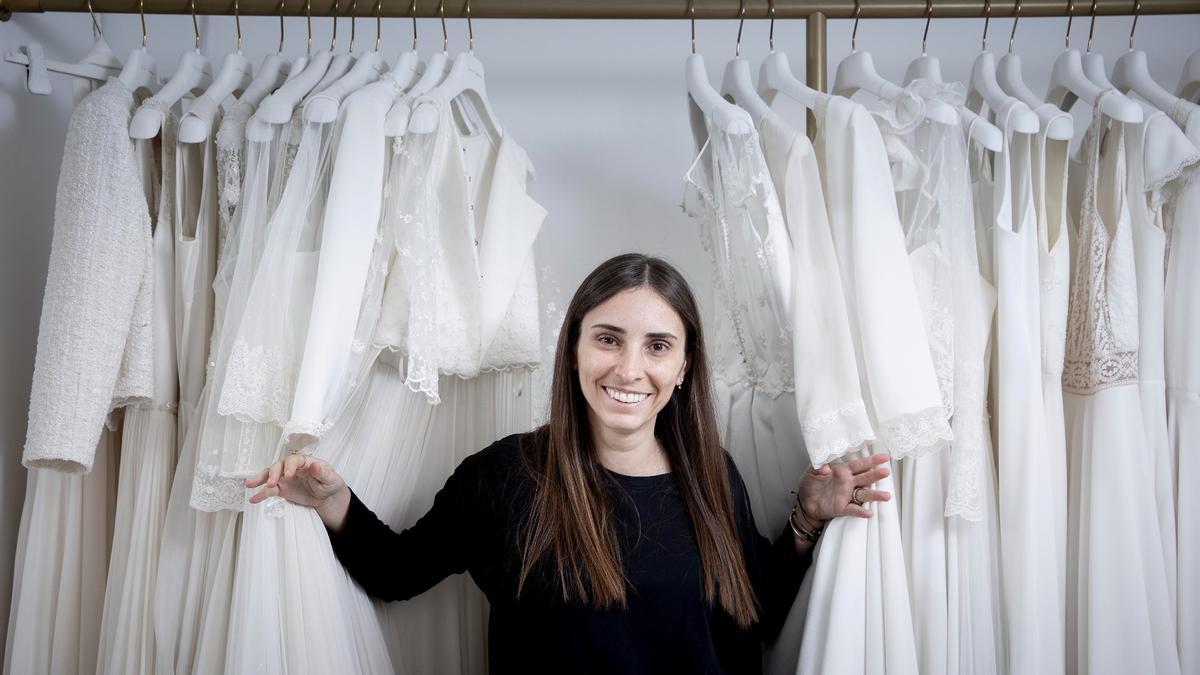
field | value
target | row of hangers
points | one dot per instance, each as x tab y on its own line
317	81
992	85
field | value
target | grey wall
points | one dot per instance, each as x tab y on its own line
598	105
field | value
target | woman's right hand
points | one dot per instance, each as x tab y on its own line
307	481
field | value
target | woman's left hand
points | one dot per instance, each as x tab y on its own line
828	491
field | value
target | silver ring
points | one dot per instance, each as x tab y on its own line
854	496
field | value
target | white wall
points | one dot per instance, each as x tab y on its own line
598	105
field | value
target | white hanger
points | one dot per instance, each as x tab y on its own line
98	64
437	70
1189	80
1008	75
140	72
341	63
775	75
706	100
1131	73
465	79
193	75
271	74
323	107
737	84
406	72
232	78
1068	82
983	88
279	106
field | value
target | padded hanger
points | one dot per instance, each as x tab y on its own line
193	76
1132	73
323	107
1189	79
1069	83
233	77
727	116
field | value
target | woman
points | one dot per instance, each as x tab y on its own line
617	538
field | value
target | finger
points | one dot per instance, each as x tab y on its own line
275	470
865	496
861	464
255	481
872	476
291	464
856	511
263	494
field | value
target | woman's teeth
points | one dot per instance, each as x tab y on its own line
625	397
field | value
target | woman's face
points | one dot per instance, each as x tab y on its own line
630	356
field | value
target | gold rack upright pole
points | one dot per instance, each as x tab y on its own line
815	55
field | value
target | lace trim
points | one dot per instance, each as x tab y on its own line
915	434
144	404
212	492
839	447
816	423
1171	184
258	384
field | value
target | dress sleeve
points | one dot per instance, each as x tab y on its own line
392	565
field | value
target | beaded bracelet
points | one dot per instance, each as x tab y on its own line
810	536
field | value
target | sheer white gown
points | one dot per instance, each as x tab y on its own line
1183	386
149	442
1032	590
1119	616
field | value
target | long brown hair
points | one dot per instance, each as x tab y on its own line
571	521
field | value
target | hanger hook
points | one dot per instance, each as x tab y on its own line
692	14
470	30
1137	9
378	23
771	33
854	33
195	24
142	15
237	22
1070	18
737	49
987	17
281	25
337	4
928	20
1092	28
445	35
95	22
1016	17
413	11
353	29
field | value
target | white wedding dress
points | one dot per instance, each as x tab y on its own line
99	278
1183	387
1119	615
1032	591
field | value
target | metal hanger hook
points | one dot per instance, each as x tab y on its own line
737	48
771	33
142	15
308	21
1092	28
854	32
281	25
445	35
195	24
95	22
928	20
1070	18
987	17
333	38
353	29
378	23
1137	9
692	14
470	30
237	22
1016	17
413	11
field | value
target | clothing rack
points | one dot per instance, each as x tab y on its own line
815	12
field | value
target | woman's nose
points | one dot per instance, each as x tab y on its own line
629	365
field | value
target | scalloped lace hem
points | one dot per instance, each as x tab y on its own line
212	492
916	434
1174	182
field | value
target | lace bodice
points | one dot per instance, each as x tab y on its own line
1102	331
730	194
231	163
89	356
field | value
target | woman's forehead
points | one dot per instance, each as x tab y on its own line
636	310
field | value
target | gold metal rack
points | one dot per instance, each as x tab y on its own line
815	12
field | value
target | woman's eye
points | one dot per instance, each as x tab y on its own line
659	347
607	340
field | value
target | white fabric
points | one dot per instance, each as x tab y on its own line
60	566
148	444
1049	160
1033	594
1158	158
858	617
1183	387
1119	615
94	347
829	405
741	226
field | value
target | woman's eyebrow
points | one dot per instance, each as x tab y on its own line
617	329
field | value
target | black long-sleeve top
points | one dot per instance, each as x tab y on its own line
667	626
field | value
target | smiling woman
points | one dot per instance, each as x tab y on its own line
617	538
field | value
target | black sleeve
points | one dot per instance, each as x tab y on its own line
398	566
775	569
